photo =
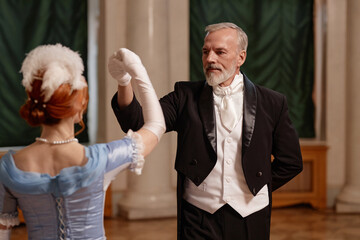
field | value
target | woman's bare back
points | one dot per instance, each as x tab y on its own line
51	159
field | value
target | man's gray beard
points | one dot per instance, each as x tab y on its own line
214	80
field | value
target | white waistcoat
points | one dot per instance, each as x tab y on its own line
226	182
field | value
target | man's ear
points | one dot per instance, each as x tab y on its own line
241	58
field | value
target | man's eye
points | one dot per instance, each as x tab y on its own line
220	52
205	52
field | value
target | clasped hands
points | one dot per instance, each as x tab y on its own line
124	65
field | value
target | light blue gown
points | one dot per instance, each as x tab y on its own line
71	204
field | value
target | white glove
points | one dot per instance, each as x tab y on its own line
117	70
5	234
153	115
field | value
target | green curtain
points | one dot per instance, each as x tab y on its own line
280	54
24	25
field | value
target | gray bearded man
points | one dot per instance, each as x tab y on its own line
228	129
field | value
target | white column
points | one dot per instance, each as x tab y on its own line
335	90
151	195
349	199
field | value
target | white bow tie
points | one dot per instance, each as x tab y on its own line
228	113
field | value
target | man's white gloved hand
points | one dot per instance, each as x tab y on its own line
5	234
153	115
117	70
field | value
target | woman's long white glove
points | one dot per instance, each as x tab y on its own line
124	62
5	234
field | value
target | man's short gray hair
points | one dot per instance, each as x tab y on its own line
242	37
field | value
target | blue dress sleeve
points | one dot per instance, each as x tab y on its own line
8	208
124	153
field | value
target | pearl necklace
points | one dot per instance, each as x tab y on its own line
56	142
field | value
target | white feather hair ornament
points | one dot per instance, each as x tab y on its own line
59	65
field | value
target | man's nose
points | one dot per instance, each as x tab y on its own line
211	57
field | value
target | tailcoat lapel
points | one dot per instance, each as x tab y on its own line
207	114
250	103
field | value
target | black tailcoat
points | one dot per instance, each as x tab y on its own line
267	130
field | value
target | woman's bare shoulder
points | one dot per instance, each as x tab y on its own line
45	158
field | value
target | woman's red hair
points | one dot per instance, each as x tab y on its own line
64	103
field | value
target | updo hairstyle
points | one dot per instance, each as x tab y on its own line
56	88
64	103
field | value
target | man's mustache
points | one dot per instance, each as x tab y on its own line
213	67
